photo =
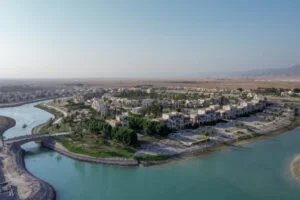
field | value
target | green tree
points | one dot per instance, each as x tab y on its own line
125	135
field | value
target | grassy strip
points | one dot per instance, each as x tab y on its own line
256	134
127	153
201	141
42	128
152	157
246	137
56	113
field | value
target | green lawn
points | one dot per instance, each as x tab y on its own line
56	113
95	145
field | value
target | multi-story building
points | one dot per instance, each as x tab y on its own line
137	110
99	106
204	102
176	120
147	102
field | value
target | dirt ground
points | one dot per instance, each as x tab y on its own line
230	83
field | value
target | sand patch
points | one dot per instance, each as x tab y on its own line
295	167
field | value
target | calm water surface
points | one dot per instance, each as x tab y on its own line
258	171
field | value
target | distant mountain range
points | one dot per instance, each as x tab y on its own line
290	71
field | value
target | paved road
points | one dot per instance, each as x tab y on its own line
59	110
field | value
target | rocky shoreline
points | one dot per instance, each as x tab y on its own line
29	186
15	181
6	191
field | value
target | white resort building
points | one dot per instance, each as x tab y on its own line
99	106
176	120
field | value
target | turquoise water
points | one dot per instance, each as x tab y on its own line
258	171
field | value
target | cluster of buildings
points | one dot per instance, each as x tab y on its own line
214	113
190	112
20	93
286	94
32	95
137	105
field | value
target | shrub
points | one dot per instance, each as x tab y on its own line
125	135
244	137
256	134
239	132
148	127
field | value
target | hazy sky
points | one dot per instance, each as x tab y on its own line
145	38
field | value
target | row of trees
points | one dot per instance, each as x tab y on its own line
147	127
98	127
122	134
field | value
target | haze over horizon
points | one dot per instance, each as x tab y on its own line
145	39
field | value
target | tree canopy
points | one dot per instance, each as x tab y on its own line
148	127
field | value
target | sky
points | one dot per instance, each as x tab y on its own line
145	38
